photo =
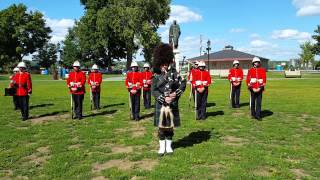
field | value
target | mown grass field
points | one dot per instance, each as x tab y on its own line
228	145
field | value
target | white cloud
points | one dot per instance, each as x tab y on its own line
269	50
307	7
259	43
59	28
292	34
237	30
183	15
254	36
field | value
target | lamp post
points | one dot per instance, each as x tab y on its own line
208	52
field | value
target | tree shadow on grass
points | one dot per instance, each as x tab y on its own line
40	105
101	113
244	104
146	116
48	114
112	105
216	113
192	139
266	113
211	104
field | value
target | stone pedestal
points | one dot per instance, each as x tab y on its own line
177	58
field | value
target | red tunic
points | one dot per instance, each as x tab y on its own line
22	82
133	81
95	80
235	75
256	77
146	80
201	79
191	76
77	80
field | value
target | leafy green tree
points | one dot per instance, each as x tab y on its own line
116	29
71	49
21	33
47	56
307	56
316	37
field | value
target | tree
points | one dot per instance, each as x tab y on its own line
47	55
307	56
21	33
316	37
119	27
71	48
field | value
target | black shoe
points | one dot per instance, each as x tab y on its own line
258	118
204	118
24	118
237	106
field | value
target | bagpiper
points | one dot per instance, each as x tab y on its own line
191	78
133	83
147	81
202	81
23	85
95	81
76	83
235	77
167	87
256	81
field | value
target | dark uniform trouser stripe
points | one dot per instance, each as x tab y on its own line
96	99
147	99
202	104
235	95
135	105
24	105
15	102
78	102
256	100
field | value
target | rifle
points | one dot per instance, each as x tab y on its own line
71	102
195	103
91	99
130	107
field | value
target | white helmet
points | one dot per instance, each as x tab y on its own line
134	64
197	63
76	64
146	65
16	69
95	67
22	65
202	64
256	59
236	62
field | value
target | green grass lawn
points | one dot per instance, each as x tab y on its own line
228	145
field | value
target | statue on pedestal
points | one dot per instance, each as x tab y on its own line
174	35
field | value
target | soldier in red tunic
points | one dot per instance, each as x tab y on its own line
134	84
14	97
256	81
147	81
76	83
202	81
22	82
235	77
94	81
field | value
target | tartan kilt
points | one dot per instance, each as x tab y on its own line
175	111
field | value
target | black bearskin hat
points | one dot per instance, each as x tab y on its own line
162	54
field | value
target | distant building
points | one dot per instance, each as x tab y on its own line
220	62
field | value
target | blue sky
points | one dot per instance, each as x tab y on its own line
269	28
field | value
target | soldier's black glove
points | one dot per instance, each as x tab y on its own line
161	99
